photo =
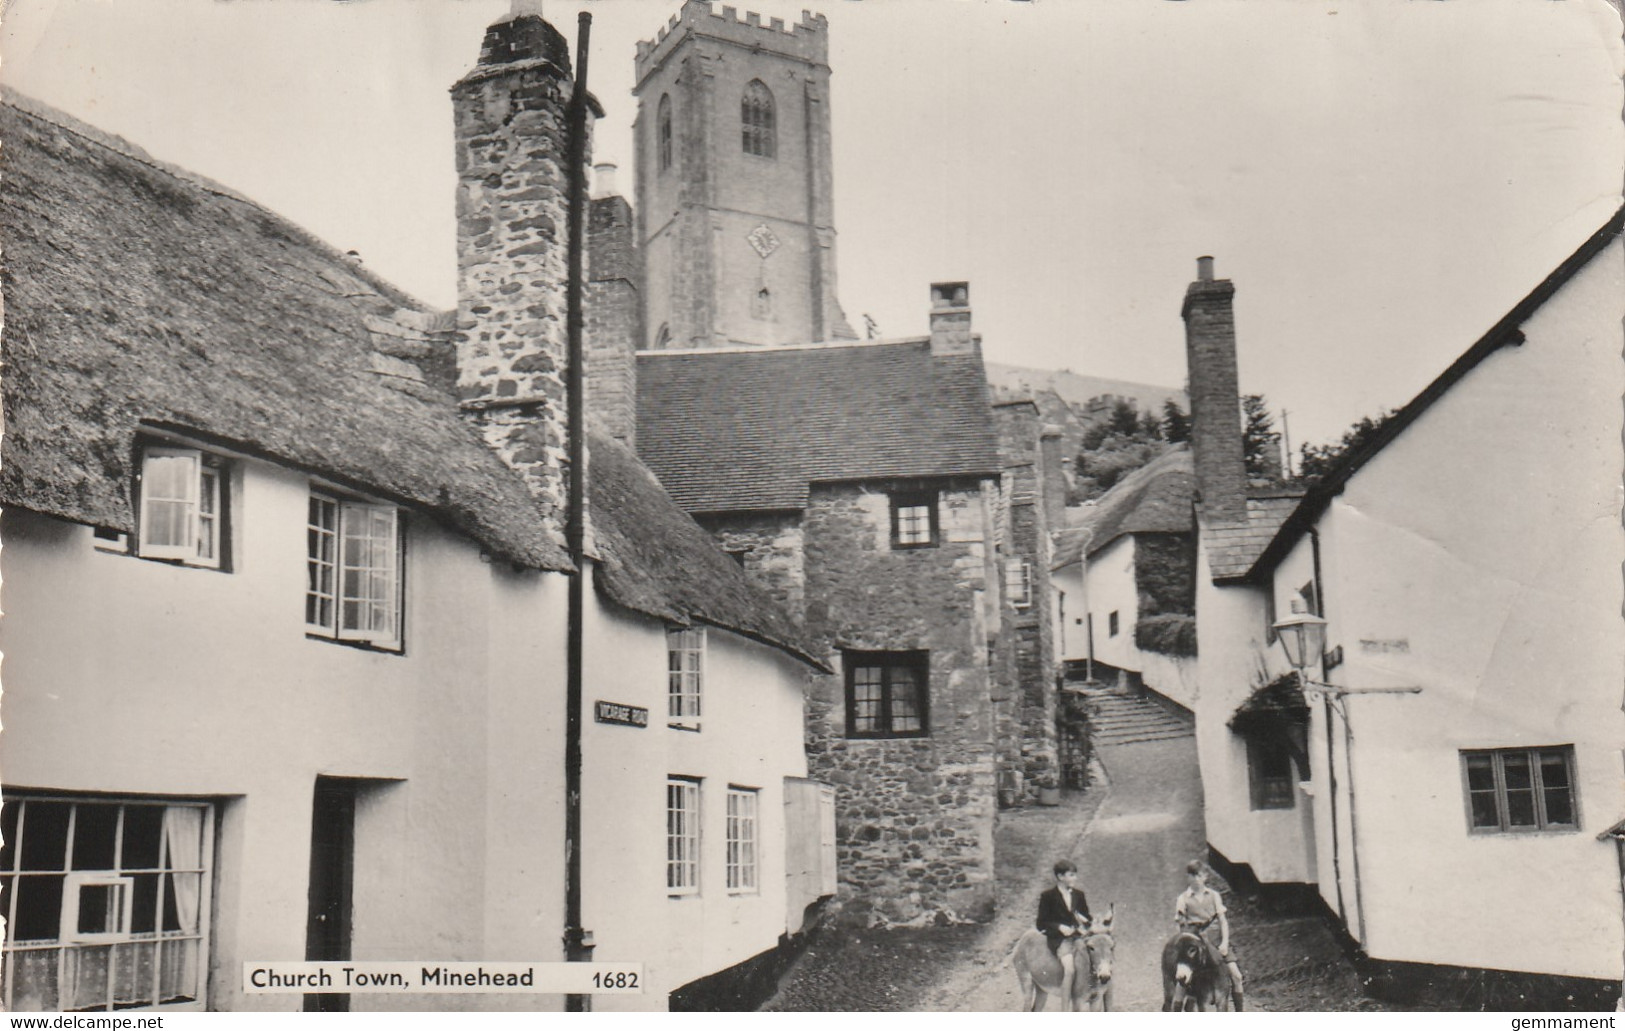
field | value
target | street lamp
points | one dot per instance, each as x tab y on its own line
1303	637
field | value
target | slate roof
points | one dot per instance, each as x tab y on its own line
750	430
1155	498
1232	548
654	559
137	294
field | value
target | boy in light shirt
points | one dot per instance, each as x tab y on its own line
1198	909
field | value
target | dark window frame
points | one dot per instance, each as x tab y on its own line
1114	624
1539	801
931	500
919	662
1267	790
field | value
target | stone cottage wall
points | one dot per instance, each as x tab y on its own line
768	545
914	816
1027	745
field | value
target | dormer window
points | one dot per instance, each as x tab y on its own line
757	131
353	571
182	506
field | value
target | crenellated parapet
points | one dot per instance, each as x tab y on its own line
807	39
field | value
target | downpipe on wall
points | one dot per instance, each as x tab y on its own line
578	943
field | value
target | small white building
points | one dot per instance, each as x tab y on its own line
1130	556
1450	792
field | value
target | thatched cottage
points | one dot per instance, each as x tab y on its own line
287	607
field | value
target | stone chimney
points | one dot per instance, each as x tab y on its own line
614	311
950	319
1210	356
512	239
1052	472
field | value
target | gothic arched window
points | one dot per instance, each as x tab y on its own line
663	123
756	121
663	338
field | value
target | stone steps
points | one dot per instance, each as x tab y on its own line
1124	720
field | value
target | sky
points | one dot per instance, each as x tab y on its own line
1381	179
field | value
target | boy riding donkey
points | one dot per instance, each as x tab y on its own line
1197	910
1062	913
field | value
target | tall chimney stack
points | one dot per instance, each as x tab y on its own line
511	132
1210	356
950	319
614	309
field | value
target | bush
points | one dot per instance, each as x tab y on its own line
1169	634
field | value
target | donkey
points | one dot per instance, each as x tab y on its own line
1040	972
1193	974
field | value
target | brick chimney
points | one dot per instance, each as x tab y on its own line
950	319
614	310
512	236
1210	356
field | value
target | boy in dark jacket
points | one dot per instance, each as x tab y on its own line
1062	913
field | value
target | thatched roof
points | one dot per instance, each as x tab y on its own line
1155	498
750	430
656	560
137	294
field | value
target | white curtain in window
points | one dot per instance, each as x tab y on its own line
368	584
183	835
170	479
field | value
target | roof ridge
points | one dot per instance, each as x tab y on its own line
822	345
1506	330
35	108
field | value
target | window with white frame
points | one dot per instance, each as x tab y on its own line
106	902
742	835
353	571
1520	789
682	836
685	673
182	506
1018	582
914	519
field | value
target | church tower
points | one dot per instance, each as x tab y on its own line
732	144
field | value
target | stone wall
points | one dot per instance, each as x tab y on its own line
914	816
512	190
1029	746
768	546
